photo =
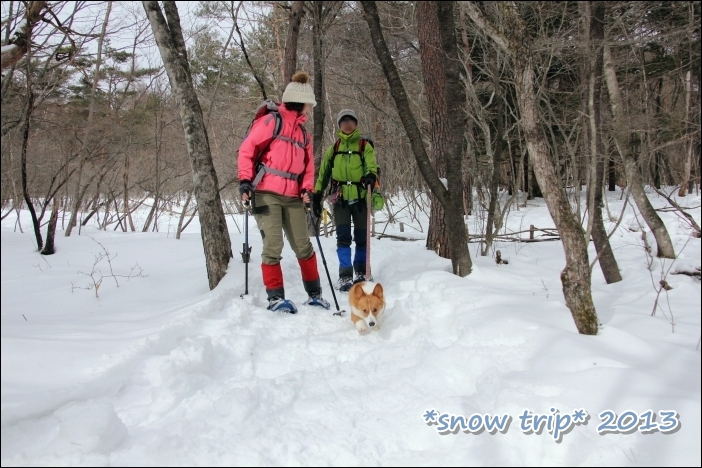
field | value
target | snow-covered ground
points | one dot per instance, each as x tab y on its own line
161	371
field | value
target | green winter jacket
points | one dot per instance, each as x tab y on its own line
347	167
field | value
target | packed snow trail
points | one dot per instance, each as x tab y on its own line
162	372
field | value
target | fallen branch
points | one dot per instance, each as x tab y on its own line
695	274
391	236
514	239
679	209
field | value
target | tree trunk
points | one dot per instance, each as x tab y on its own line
318	110
88	126
576	274
49	248
687	169
120	224
29	107
297	10
158	132
688	184
319	94
657	169
494	204
451	197
611	175
608	263
624	143
589	141
524	182
213	227
182	214
575	277
125	179
657	153
323	14
16	202
434	84
453	94
23	158
470	129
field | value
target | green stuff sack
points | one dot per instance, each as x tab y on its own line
377	201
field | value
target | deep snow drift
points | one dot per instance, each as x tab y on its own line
162	371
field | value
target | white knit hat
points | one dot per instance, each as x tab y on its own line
299	90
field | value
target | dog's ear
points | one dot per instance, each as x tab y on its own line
358	291
378	291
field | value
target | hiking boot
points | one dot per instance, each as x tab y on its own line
317	300
344	283
278	304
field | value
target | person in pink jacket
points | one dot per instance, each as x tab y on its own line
277	174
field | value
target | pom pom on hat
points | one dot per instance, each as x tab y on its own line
301	77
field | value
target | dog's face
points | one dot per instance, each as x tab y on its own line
367	306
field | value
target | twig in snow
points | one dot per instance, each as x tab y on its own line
663	283
96	275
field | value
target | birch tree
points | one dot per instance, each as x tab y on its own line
213	226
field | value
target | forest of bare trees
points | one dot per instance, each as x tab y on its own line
483	105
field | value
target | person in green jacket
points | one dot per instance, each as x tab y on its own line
351	166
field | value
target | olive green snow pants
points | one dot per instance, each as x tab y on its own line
276	214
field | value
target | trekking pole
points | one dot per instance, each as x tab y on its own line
246	253
369	209
324	260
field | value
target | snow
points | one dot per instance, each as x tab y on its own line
162	371
21	26
7	48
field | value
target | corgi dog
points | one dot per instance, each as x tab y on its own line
367	305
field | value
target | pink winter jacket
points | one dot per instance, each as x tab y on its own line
282	155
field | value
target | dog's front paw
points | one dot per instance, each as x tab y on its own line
361	326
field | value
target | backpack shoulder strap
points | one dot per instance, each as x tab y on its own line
276	131
333	157
362	150
305	136
278	123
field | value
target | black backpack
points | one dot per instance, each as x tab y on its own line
377	200
361	150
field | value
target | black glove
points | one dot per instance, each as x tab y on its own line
317	204
369	179
245	187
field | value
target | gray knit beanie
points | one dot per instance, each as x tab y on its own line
346	113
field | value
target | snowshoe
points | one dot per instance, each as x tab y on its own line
278	304
360	278
344	283
318	301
